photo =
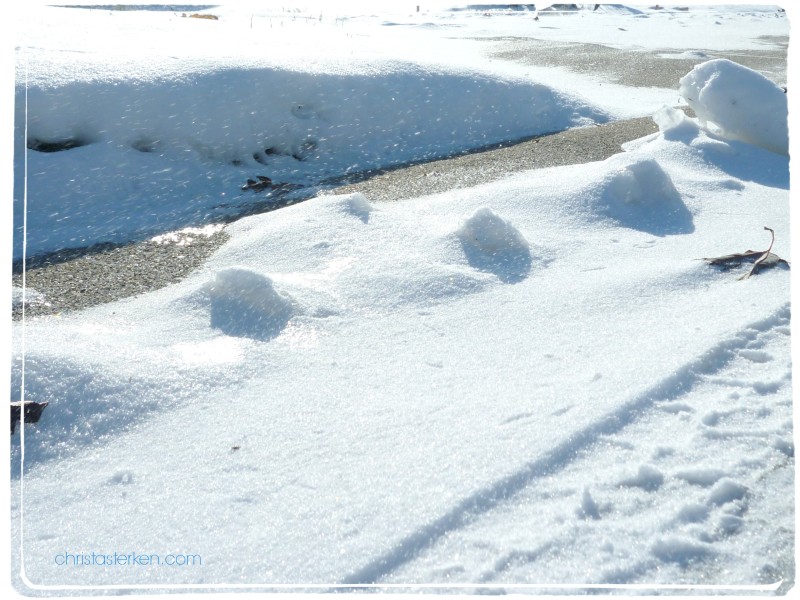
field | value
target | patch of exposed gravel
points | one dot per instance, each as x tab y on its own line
575	146
84	277
636	68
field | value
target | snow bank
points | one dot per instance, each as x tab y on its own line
738	103
184	147
350	121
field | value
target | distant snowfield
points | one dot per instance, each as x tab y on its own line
535	381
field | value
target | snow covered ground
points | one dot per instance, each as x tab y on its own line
532	382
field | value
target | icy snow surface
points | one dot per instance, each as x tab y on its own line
531	381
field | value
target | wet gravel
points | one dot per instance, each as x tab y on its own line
575	146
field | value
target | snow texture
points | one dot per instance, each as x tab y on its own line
533	381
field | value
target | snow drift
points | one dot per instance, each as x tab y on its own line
188	144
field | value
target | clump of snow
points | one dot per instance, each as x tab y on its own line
245	303
701	476
680	550
641	195
738	103
730	524
187	235
693	513
355	204
588	508
493	244
726	490
647	477
674	125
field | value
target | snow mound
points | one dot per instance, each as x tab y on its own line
648	478
355	204
681	551
675	125
245	303
737	103
641	195
493	244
